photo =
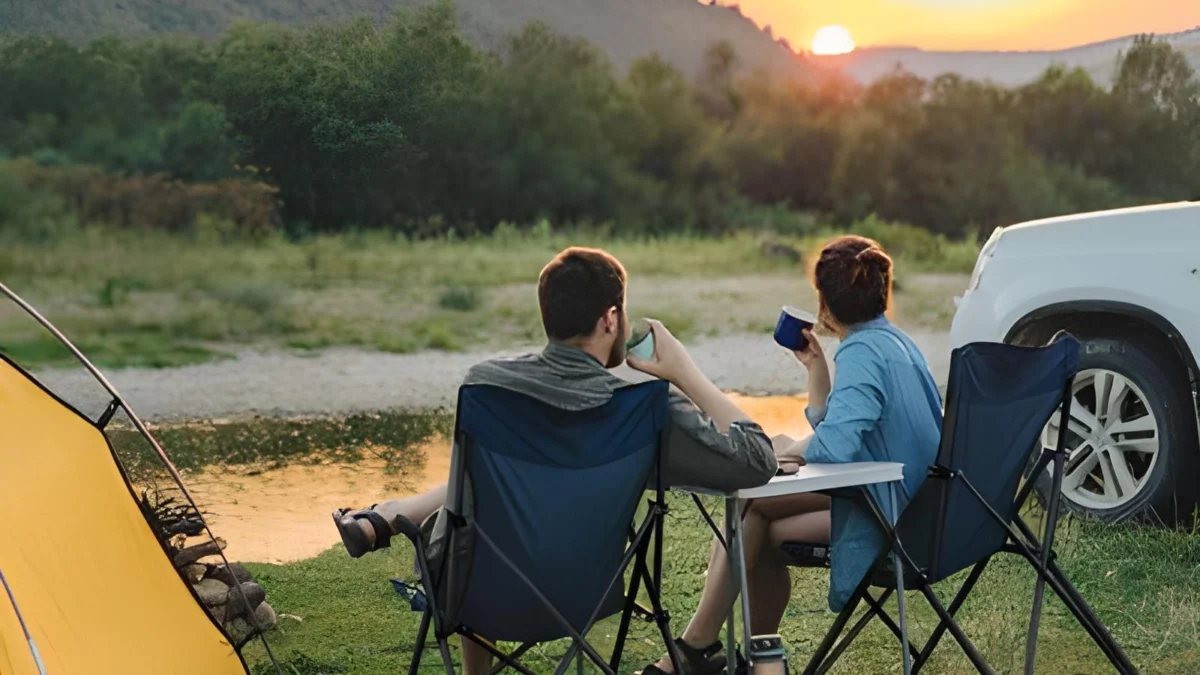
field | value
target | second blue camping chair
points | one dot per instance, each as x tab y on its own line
999	400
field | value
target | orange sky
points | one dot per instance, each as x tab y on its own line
974	24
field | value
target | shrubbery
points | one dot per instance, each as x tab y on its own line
410	128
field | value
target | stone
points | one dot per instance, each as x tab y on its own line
218	613
264	615
236	606
238	629
231	574
772	249
195	572
212	592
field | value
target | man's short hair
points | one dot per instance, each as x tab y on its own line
576	289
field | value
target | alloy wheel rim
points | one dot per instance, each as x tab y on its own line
1112	441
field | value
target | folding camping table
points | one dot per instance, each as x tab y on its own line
810	478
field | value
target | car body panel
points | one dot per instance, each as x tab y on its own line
1147	257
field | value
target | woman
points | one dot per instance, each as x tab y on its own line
882	406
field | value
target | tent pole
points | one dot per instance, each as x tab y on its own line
37	657
141	427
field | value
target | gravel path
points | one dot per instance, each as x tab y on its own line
343	380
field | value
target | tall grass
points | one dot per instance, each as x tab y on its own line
153	298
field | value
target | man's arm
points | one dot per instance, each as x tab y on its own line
711	443
699	454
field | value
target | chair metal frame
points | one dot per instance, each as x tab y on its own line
648	533
1022	541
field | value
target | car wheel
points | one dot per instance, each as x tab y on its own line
1131	440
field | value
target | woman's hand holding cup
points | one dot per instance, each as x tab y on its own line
812	355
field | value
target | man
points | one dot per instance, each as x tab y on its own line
710	442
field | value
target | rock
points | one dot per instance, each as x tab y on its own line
238	629
218	613
231	574
195	572
236	606
212	592
264	615
772	249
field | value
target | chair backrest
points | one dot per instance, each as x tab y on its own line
555	491
999	399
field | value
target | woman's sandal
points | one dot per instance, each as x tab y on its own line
354	539
702	661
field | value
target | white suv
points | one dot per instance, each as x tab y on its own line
1127	284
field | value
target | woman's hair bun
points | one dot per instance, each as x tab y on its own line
875	257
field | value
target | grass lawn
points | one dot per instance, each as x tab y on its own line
1143	583
156	300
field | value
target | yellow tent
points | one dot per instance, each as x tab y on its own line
87	583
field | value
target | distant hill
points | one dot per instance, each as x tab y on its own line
1007	68
680	31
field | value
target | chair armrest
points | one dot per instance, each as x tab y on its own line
406	527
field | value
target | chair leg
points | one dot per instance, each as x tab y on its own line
1087	618
955	605
845	642
635	584
419	647
877	609
506	660
960	637
818	657
511	658
447	659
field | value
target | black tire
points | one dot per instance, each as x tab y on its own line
1169	493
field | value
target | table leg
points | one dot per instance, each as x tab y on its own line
739	569
900	585
730	630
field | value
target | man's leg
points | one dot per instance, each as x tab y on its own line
416	508
476	659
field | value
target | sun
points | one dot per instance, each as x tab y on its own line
832	40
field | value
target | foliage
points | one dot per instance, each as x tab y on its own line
30	193
407	127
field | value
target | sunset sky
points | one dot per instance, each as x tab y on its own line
974	24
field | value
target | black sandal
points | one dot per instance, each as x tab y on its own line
696	661
354	539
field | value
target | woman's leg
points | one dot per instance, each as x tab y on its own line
770	590
720	589
771	582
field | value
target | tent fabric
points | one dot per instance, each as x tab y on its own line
998	401
555	491
92	582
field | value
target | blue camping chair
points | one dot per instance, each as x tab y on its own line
1000	398
541	505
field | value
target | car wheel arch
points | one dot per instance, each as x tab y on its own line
1085	312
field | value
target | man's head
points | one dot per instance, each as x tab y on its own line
582	297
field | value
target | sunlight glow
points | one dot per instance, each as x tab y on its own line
832	40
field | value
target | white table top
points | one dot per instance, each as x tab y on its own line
817	477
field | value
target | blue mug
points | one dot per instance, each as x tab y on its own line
789	332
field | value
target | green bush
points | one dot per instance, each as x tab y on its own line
460	299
